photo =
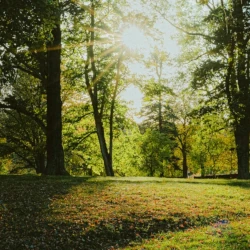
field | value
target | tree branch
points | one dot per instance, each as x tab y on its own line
25	112
185	31
74	145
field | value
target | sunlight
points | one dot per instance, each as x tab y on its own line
133	96
134	38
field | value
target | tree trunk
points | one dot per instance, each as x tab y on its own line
202	170
55	153
237	86
93	93
112	110
99	127
242	149
184	163
40	163
242	125
104	150
160	113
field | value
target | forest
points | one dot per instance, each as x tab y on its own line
66	65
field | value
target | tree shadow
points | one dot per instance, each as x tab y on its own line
30	220
116	234
25	206
220	182
153	180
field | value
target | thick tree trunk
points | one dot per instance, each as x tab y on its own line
243	121
237	86
55	153
242	149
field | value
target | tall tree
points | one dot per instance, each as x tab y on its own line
155	152
181	105
158	115
31	42
229	41
55	153
156	93
99	75
222	28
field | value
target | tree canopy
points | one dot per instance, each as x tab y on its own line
65	67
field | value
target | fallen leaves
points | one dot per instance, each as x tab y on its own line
77	213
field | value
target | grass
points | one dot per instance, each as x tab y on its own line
123	213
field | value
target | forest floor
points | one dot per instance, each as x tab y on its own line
123	213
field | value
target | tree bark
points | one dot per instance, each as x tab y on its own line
104	150
184	162
93	93
99	127
237	87
243	121
40	163
112	110
55	153
242	149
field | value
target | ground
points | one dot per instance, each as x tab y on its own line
39	212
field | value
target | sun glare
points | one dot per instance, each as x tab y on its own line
133	38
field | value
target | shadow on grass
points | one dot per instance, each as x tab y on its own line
116	234
153	180
25	206
30	222
221	182
106	235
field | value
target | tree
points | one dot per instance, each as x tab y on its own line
230	42
181	105
96	86
31	42
55	153
157	112
23	123
212	145
156	152
222	28
103	75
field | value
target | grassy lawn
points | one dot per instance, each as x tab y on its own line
123	213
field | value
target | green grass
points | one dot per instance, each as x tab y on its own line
123	213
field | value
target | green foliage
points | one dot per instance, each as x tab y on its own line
213	146
202	1
127	152
221	69
92	51
155	150
22	123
